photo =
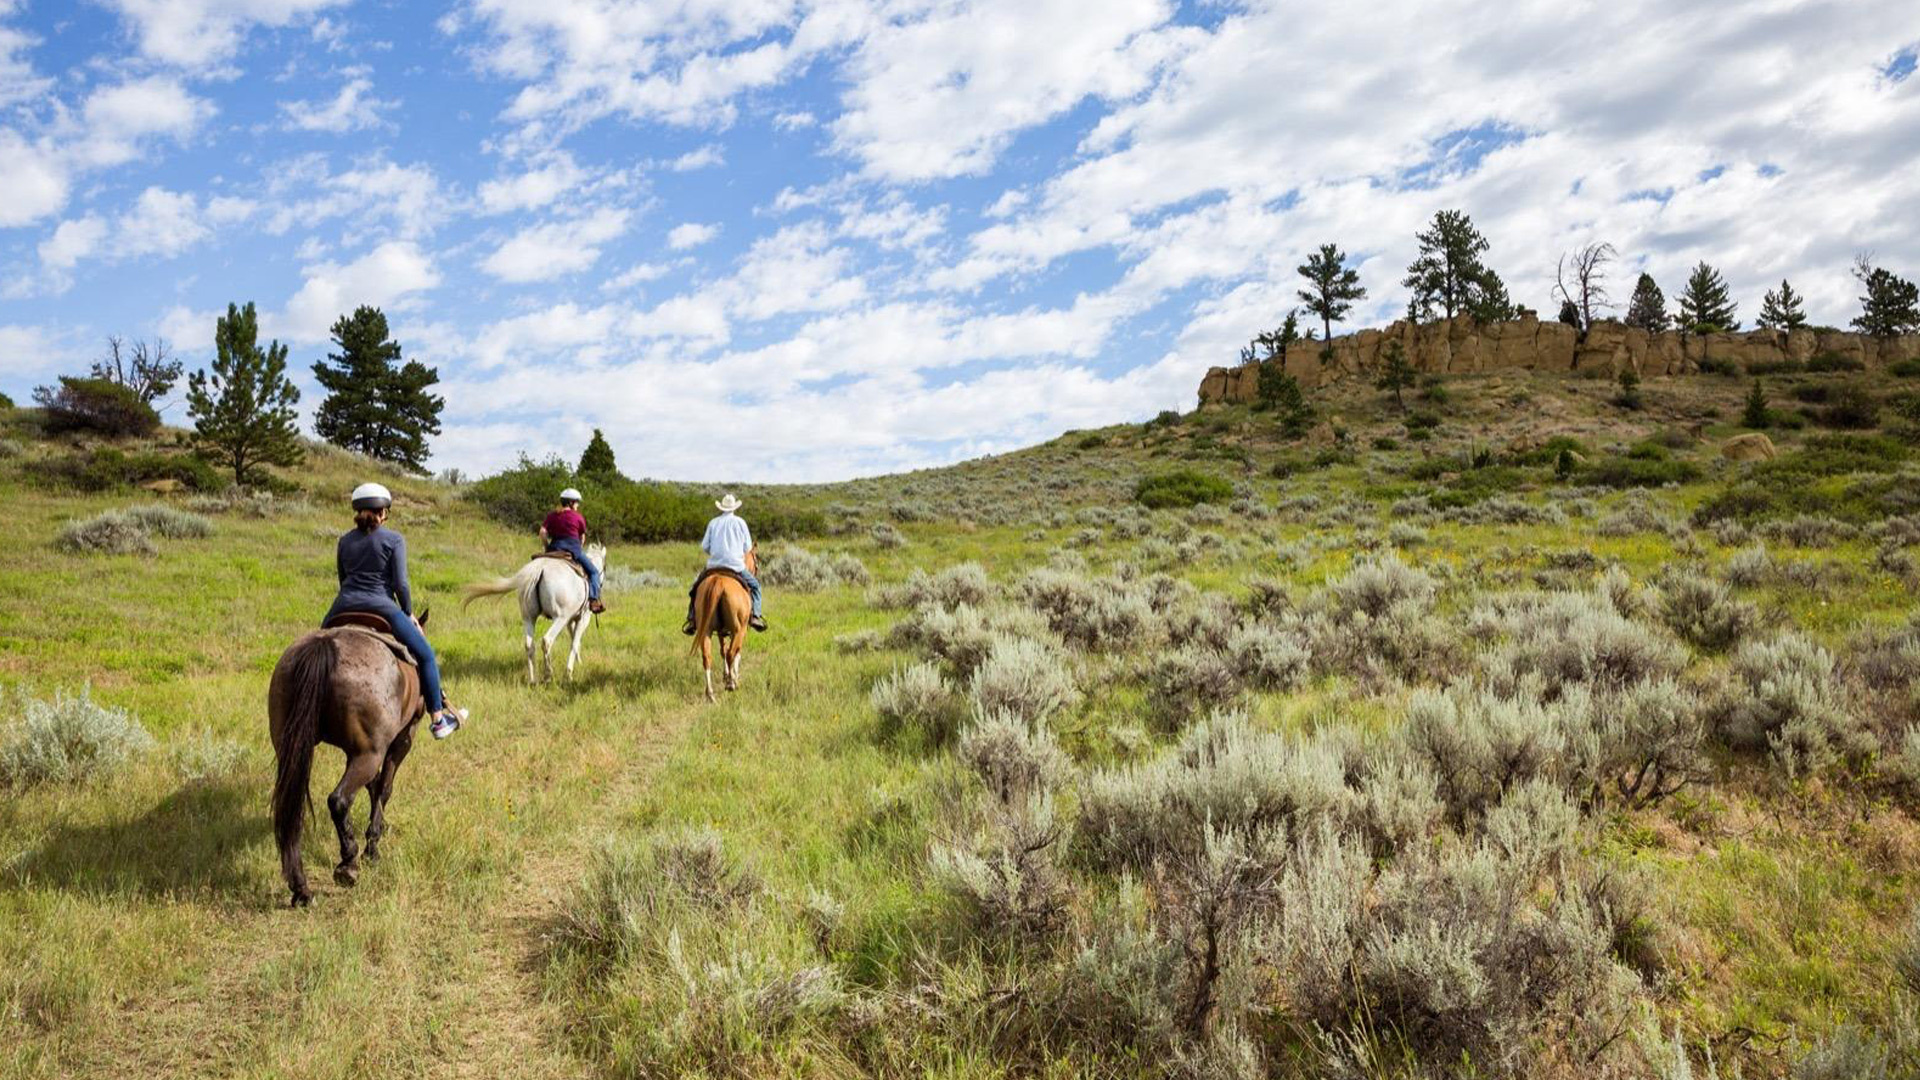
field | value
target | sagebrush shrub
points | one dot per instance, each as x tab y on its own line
1479	744
1013	758
1100	614
1223	771
1748	567
205	757
1269	657
626	579
1190	681
1850	1053
1374	587
114	532
1572	639
1024	678
1702	612
1007	871
917	699
165	521
1886	668
1782	695
789	566
961	583
69	740
886	535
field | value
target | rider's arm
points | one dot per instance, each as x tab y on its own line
397	575
543	532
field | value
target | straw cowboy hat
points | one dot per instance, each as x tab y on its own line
728	504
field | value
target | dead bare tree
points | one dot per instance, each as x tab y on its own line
146	368
1581	279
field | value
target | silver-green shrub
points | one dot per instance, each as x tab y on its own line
1024	678
789	566
1748	567
1013	758
114	532
1702	612
1269	657
1006	872
165	521
1783	695
917	699
71	739
1190	681
1480	744
1572	639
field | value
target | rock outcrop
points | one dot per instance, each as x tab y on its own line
1751	446
1462	346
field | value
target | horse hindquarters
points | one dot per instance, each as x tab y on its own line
300	694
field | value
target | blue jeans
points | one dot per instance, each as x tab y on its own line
753	590
571	545
409	635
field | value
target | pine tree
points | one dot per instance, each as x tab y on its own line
1332	287
1781	310
596	461
1756	415
1629	395
1705	306
1449	273
1648	308
1291	403
243	410
1891	306
1397	375
375	404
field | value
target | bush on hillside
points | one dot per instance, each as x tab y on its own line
1784	696
114	532
1181	487
1023	678
1703	613
169	523
69	740
919	700
792	567
1647	464
106	468
97	406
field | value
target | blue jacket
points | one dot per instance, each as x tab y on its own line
373	567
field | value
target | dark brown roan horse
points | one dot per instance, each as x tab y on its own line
345	688
721	606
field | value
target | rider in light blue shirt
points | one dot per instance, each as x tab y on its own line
727	543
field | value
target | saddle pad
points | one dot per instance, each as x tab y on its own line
723	571
400	651
566	557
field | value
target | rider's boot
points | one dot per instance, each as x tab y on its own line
596	606
757	622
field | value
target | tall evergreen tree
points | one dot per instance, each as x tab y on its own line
1648	308
596	460
1781	309
376	404
1449	273
1705	305
1332	286
1891	306
243	409
1756	415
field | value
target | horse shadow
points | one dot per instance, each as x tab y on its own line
206	837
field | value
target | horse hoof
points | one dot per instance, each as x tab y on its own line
301	900
370	856
346	876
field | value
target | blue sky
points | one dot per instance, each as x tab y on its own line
787	240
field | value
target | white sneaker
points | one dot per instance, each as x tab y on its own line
447	722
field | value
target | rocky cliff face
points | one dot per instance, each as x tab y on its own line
1461	346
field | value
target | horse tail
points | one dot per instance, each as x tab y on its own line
706	604
520	581
309	696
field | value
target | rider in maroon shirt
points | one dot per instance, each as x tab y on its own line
565	530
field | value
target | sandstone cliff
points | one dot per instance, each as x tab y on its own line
1461	346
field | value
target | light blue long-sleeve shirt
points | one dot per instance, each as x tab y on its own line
727	542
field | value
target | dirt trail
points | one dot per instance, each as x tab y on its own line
506	1027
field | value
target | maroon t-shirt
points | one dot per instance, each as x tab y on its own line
565	524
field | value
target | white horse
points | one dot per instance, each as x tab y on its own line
549	587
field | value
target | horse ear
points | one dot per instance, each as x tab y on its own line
424	612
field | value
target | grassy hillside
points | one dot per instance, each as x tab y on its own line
1422	675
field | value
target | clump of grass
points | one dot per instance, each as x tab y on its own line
114	532
71	739
205	757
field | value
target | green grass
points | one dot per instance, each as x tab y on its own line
142	921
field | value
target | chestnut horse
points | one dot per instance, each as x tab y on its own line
345	688
721	606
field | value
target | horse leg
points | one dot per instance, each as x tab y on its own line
381	788
706	663
580	622
552	635
527	624
730	660
361	768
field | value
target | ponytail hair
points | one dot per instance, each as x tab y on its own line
367	520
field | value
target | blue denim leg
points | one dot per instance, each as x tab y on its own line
753	586
411	637
571	545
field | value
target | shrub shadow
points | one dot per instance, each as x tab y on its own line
197	839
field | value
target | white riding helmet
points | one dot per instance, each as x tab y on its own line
570	495
372	497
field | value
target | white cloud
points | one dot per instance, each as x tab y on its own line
386	277
72	241
118	117
352	109
33	180
943	95
534	188
637	274
703	158
690	234
205	33
18	80
543	252
35	351
409	198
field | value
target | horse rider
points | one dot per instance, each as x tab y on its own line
371	563
565	530
728	543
